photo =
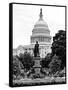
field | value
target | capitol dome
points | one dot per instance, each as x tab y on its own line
40	32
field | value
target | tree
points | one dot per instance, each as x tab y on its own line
55	64
17	65
59	46
27	60
45	62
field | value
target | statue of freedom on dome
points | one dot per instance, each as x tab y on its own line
36	49
41	15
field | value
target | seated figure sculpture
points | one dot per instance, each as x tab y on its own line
36	49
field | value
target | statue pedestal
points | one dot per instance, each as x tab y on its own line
37	65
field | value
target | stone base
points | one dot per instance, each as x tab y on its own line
37	62
37	70
37	65
36	58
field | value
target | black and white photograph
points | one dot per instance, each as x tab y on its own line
37	44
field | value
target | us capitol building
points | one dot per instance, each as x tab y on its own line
40	33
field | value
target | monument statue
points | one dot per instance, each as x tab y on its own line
36	49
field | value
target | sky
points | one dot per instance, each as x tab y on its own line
26	16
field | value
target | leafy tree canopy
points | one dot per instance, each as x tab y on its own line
17	65
59	46
27	60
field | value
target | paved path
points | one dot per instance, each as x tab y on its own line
45	80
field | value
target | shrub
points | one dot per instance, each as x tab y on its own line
55	64
45	61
